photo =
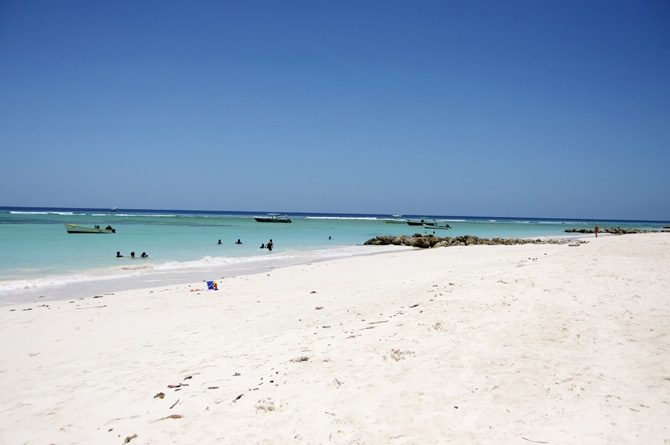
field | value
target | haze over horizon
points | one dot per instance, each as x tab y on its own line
484	108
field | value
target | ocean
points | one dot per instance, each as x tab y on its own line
40	260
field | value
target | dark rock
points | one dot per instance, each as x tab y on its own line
612	230
430	241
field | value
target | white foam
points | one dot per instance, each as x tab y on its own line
138	215
16	212
148	274
352	218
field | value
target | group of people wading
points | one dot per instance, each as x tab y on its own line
268	246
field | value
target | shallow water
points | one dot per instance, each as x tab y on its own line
37	255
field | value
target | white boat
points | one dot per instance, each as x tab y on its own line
73	228
273	218
437	225
397	219
416	222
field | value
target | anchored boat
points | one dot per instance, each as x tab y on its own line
73	228
437	225
397	219
429	223
273	218
416	222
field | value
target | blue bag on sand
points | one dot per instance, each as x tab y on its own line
211	285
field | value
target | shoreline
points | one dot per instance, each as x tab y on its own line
536	342
145	276
142	274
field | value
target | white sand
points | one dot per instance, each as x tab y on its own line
481	344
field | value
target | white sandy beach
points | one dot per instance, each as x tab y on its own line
482	344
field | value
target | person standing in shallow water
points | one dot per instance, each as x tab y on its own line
596	230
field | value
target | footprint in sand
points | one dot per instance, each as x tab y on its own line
265	405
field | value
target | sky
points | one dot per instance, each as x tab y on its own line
553	109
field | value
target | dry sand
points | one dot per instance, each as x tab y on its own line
482	344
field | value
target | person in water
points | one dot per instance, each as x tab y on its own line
219	242
118	254
132	254
144	255
270	245
238	241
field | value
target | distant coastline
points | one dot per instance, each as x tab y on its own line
334	215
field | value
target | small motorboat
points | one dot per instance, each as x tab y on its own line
397	219
416	222
429	223
437	225
273	218
73	228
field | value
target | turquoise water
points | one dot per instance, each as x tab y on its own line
38	256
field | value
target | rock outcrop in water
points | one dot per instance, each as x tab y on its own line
613	231
430	241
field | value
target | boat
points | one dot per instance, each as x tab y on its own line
428	223
397	219
273	218
73	228
416	222
437	225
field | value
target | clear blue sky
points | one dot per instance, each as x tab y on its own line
483	108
